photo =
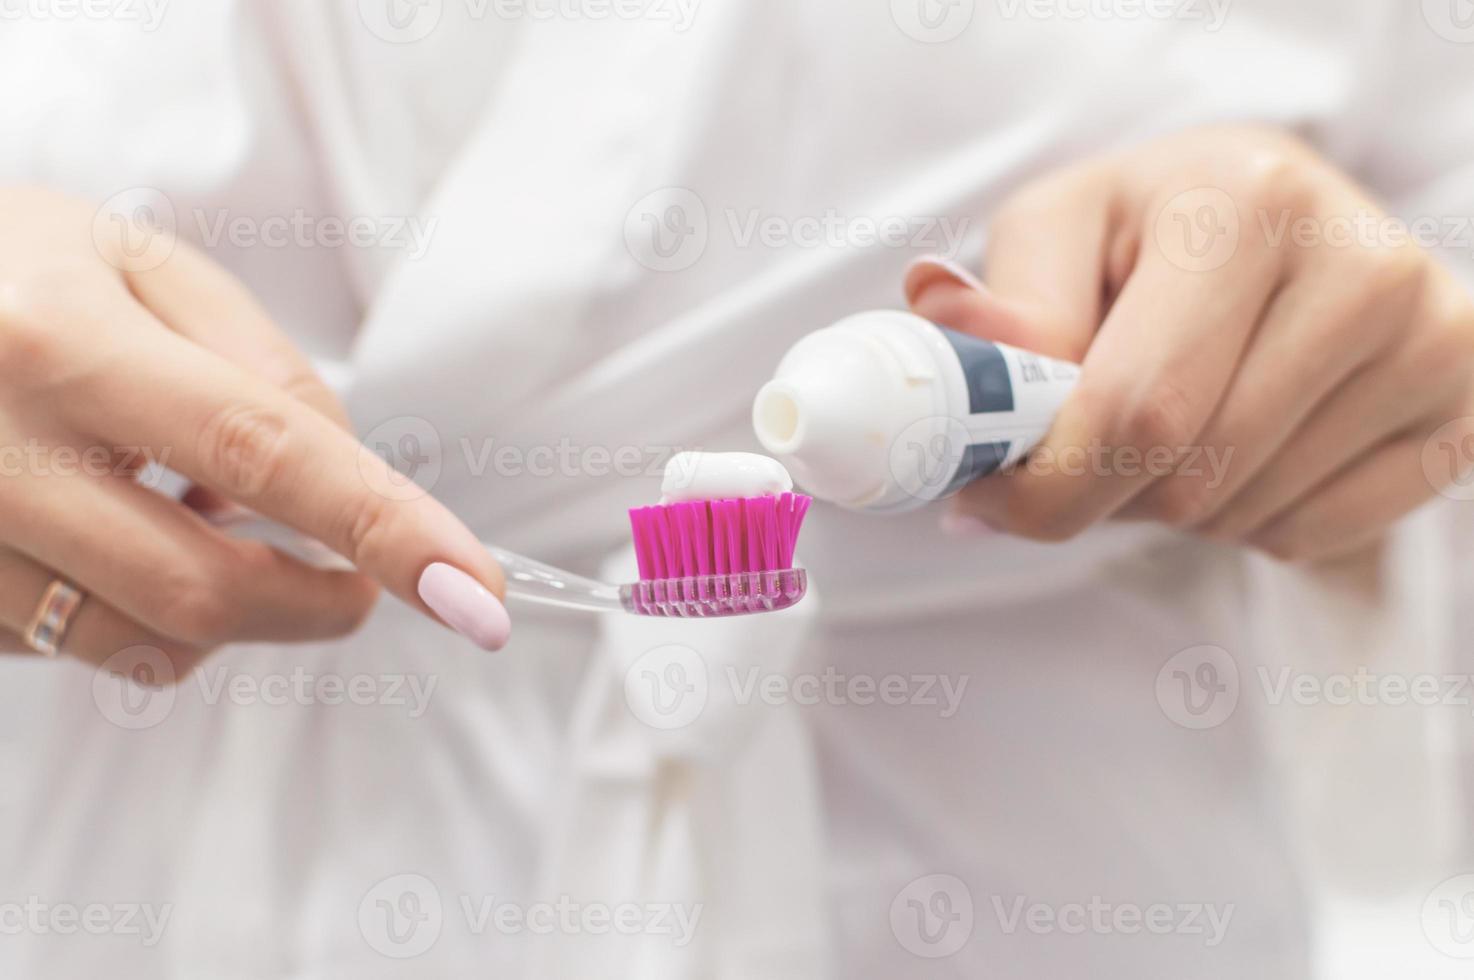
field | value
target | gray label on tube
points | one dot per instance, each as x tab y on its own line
989	387
1013	396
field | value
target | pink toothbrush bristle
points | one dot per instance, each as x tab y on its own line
717	537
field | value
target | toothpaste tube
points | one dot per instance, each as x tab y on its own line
886	411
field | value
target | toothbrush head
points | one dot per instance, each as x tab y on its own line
717	557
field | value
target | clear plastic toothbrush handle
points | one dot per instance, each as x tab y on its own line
534	581
531	581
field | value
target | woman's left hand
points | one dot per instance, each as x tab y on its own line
1267	357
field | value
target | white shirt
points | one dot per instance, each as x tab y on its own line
531	307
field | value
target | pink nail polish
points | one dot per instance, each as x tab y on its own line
466	605
950	267
965	526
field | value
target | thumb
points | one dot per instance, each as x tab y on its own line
945	293
1045	280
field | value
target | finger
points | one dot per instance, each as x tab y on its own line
1372	406
199	299
176	575
1354	509
1048	258
1319	331
233	433
1153	378
96	631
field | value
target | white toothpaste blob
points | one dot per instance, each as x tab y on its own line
722	476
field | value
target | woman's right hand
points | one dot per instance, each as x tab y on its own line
108	359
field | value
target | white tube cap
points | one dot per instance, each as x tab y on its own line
839	401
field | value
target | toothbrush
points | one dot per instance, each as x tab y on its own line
710	558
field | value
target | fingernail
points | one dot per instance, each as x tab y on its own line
965	526
466	605
934	264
